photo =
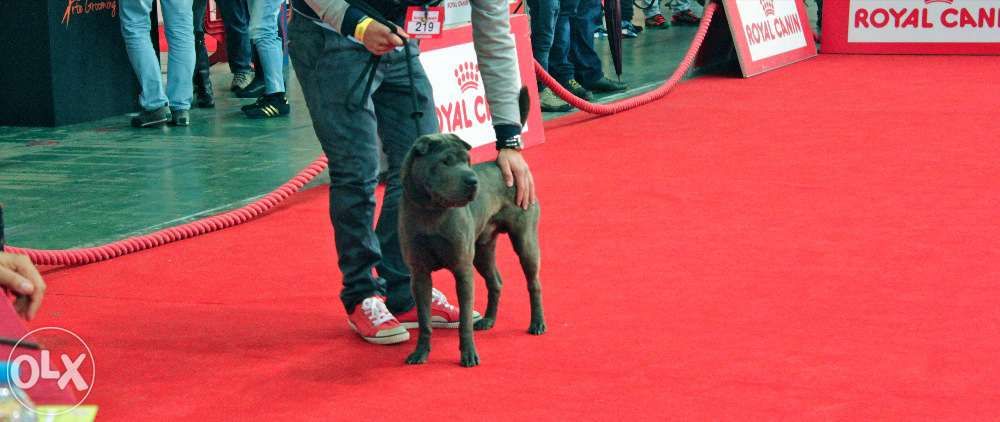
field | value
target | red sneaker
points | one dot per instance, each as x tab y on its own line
443	314
686	17
372	320
657	21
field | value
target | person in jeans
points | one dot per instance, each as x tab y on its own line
682	14
159	107
236	21
543	15
573	61
264	35
330	44
202	67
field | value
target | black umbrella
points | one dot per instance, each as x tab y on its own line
613	20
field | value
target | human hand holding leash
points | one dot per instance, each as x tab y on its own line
515	171
380	39
20	276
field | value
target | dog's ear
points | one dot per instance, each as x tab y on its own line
459	140
423	145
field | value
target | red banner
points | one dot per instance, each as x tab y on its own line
769	33
912	27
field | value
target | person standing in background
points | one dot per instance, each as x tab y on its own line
159	107
543	14
202	67
264	35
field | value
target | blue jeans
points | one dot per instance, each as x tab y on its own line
327	64
573	55
264	34
179	28
543	25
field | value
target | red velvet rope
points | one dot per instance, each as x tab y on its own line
630	103
217	222
261	206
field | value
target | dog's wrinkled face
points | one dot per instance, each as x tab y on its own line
440	168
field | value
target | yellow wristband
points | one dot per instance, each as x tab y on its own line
359	30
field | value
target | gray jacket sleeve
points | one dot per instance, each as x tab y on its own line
497	58
330	11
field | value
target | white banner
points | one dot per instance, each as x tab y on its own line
924	21
772	27
459	95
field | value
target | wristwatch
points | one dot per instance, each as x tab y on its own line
513	143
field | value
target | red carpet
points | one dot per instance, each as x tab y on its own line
817	243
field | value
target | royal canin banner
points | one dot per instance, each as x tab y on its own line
769	33
912	26
459	95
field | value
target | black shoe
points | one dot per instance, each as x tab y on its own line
578	90
180	118
152	118
202	73
270	105
254	90
203	89
607	85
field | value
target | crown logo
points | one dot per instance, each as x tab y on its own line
467	76
768	6
938	1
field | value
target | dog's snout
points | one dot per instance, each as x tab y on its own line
471	181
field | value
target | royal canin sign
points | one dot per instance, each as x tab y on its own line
912	26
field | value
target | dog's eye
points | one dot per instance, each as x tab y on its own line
448	161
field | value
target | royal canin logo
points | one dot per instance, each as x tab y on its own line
768	6
938	1
467	76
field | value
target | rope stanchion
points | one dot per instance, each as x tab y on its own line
217	222
627	104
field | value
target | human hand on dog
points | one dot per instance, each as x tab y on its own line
515	171
20	276
380	39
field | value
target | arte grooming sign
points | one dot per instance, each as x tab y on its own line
769	33
912	26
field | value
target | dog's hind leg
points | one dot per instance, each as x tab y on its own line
421	284
486	263
526	245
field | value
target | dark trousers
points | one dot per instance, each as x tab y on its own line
628	12
573	55
328	65
201	64
236	20
543	25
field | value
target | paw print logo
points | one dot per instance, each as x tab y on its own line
467	76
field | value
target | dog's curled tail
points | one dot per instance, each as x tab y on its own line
524	104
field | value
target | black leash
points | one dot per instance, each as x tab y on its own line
372	66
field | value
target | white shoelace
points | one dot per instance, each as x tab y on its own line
439	299
376	311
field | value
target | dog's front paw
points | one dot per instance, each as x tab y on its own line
417	357
537	328
470	358
484	324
